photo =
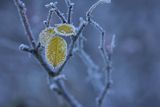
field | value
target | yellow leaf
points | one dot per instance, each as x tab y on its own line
56	51
46	35
65	29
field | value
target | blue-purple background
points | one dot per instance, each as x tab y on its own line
136	59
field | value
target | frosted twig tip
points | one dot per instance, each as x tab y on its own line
105	1
23	46
51	4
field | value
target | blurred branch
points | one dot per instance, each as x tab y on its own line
94	75
108	69
57	84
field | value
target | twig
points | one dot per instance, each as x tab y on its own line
108	82
22	12
34	51
90	10
102	40
108	69
39	57
93	70
63	92
104	53
47	22
72	44
90	20
57	11
69	11
57	84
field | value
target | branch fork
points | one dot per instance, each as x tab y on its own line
54	74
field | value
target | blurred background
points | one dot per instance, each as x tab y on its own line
136	58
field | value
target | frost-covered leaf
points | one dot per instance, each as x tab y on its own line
46	35
56	51
65	29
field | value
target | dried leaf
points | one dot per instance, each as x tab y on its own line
56	51
46	35
65	29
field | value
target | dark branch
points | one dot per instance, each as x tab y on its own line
69	11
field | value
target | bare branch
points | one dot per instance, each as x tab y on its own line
69	11
50	13
72	44
102	40
40	59
66	95
108	69
57	11
22	12
104	53
57	84
108	82
91	9
94	75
